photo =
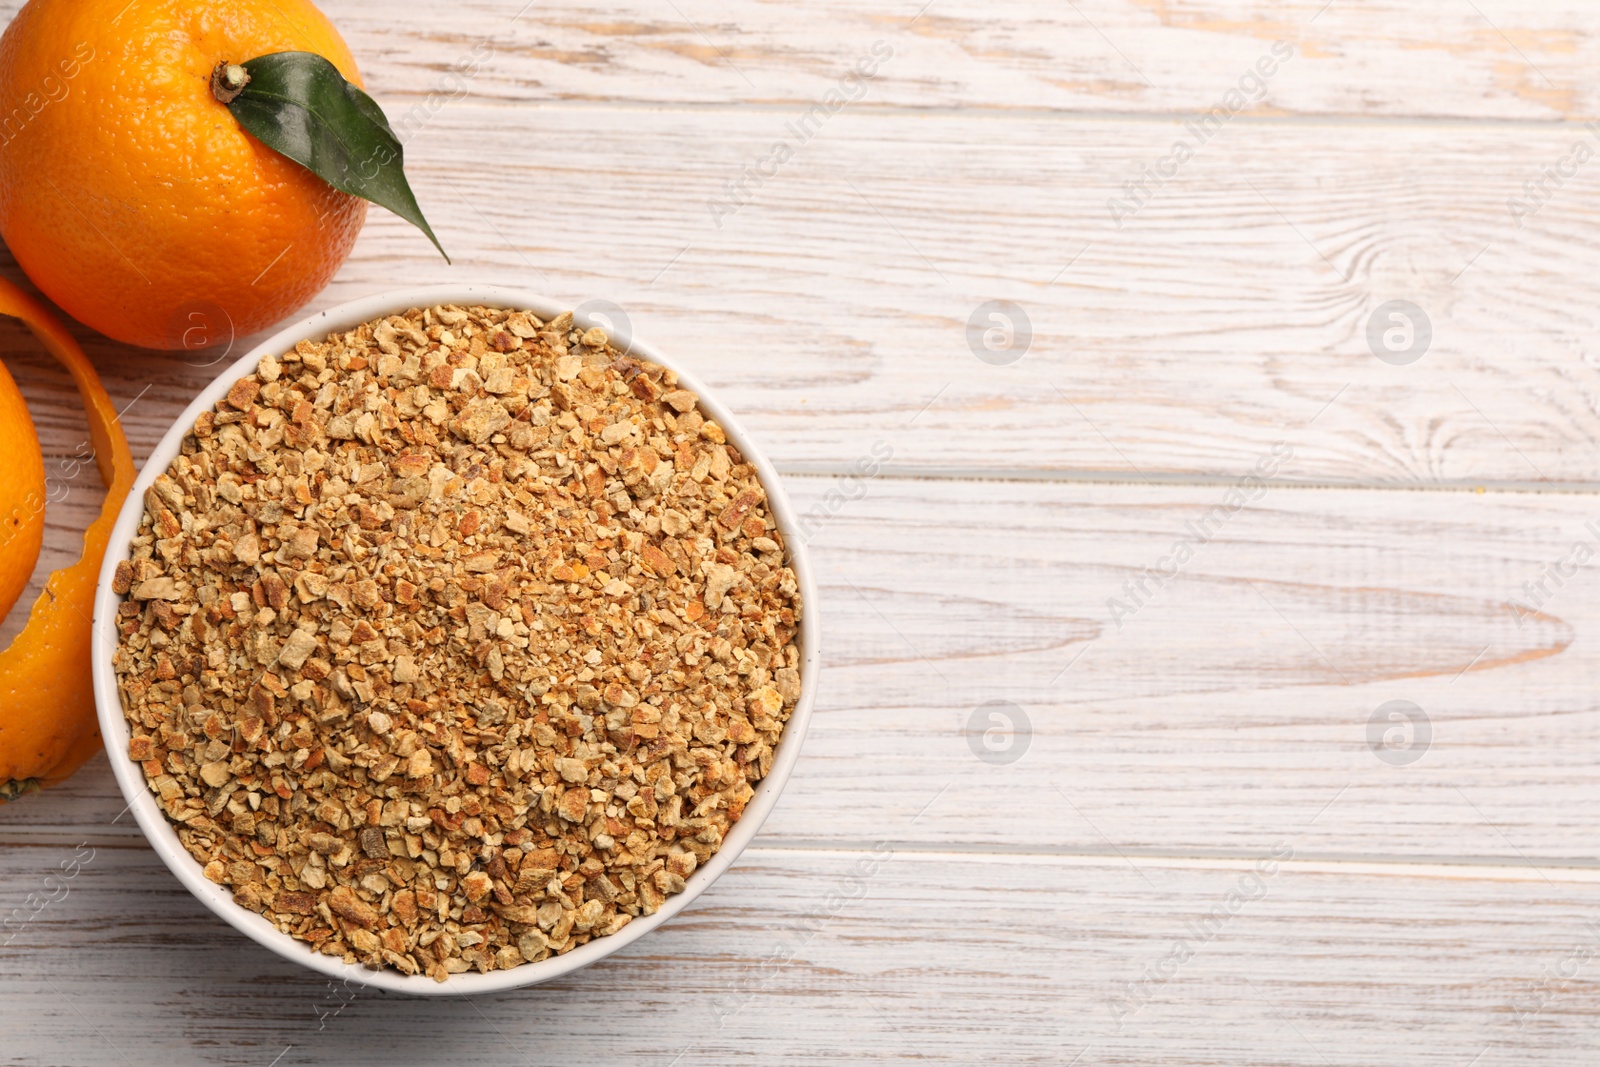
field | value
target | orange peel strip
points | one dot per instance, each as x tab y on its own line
23	477
48	726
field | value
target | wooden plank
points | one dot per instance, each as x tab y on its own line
1030	909
1236	701
847	957
1230	708
1492	60
832	312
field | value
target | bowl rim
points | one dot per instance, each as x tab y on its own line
161	834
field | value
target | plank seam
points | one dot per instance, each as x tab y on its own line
1574	868
891	111
1198	481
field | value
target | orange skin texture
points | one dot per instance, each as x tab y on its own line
133	198
22	494
48	726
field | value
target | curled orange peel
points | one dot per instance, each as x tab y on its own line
23	494
48	726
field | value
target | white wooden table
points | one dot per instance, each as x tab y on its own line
1194	853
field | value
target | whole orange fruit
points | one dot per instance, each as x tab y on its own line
132	197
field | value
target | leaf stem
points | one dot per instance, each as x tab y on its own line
228	81
15	788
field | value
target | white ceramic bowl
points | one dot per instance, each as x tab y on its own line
130	777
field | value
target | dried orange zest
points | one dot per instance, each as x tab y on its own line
47	715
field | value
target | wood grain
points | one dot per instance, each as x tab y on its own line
936	957
1233	706
1492	59
1435	912
831	313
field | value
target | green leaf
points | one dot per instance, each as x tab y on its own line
298	104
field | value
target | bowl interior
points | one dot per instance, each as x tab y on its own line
162	836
